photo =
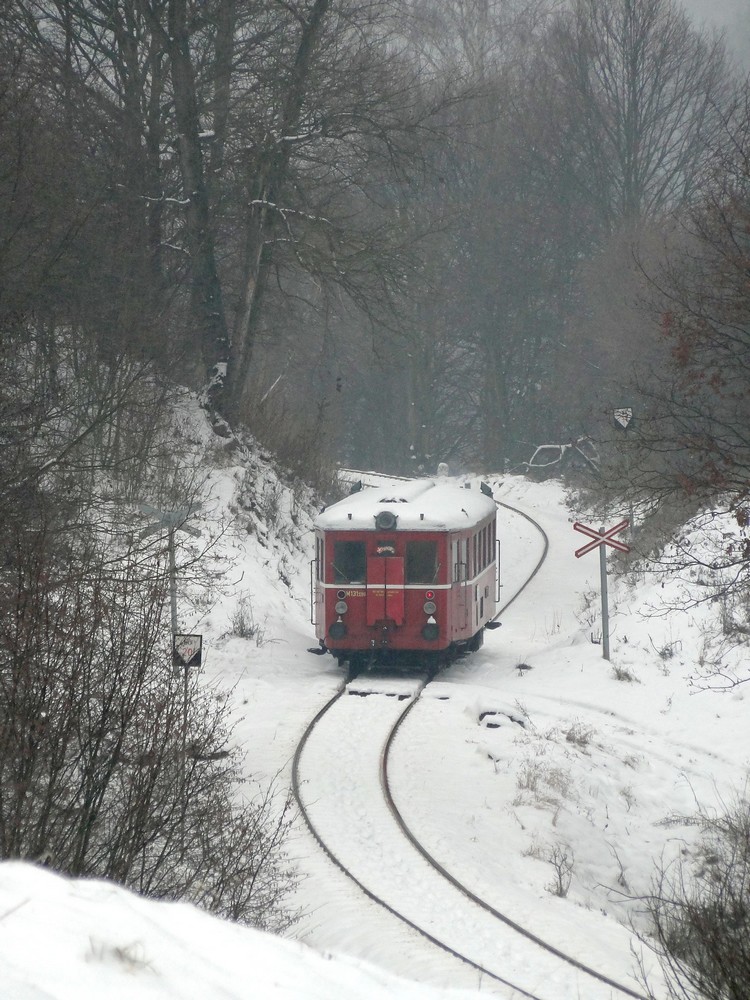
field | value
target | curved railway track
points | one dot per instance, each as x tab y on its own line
548	956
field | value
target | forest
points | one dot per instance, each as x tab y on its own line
373	233
402	232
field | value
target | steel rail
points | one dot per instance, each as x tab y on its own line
540	563
409	835
434	863
350	875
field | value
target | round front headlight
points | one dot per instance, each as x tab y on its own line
385	520
429	607
341	607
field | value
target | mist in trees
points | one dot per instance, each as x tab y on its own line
350	207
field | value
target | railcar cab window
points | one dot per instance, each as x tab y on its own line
421	565
349	562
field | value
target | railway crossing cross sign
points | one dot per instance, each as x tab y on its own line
601	539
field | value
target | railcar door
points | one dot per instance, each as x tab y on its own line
460	551
385	589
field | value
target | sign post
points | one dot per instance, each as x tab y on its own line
623	417
186	649
605	600
601	539
172	520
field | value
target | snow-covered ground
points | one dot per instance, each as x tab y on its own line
532	760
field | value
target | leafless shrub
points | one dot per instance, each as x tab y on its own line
579	734
621	673
299	443
700	913
130	956
244	625
545	783
111	766
561	858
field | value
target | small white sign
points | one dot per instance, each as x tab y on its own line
623	416
186	650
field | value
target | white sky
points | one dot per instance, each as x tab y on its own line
610	771
733	16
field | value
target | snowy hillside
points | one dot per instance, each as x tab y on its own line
546	779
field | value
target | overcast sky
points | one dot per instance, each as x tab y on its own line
731	15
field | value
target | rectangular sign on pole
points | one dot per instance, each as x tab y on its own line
186	650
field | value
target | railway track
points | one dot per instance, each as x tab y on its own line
587	972
340	780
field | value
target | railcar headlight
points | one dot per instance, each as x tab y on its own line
429	607
385	520
341	607
337	630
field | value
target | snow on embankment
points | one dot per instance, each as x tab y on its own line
64	939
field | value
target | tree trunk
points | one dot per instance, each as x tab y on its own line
268	183
205	289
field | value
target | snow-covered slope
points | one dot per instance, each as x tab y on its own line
532	751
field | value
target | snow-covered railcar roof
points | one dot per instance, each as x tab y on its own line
419	505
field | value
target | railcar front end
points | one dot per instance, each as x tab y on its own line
405	573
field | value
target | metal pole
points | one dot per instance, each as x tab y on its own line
172	581
630	498
173	602
184	756
605	603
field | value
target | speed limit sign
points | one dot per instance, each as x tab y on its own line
186	650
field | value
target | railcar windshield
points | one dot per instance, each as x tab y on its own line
421	564
349	562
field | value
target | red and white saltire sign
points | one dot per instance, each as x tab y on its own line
601	537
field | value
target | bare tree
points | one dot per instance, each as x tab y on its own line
109	764
701	305
640	94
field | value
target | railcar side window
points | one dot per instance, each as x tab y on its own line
349	562
421	564
319	565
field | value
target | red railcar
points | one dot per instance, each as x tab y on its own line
405	572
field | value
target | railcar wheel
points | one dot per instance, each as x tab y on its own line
433	667
354	667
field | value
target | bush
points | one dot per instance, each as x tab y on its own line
110	765
701	914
